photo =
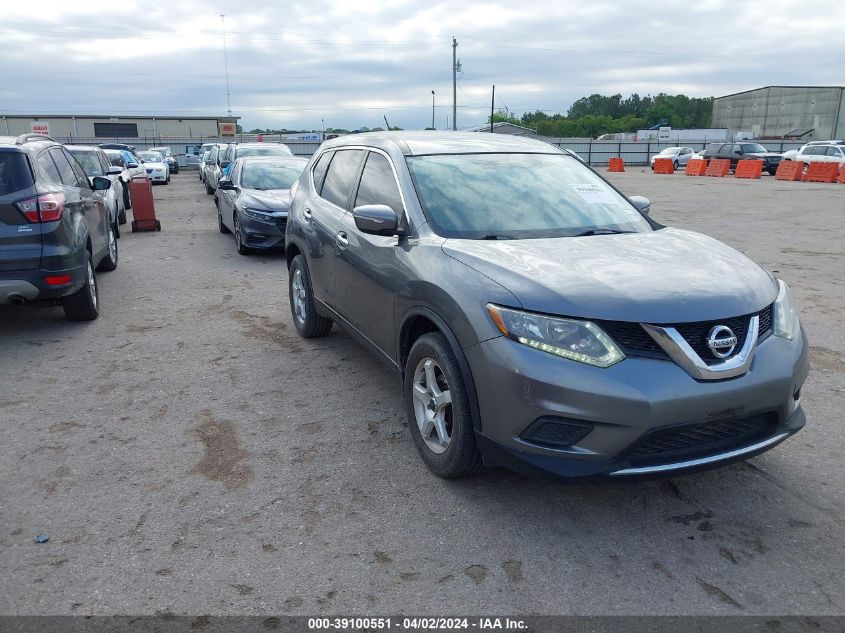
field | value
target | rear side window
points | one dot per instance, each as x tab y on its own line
90	162
726	150
378	184
66	174
319	170
15	173
49	166
341	176
834	151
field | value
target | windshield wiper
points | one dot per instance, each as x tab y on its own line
600	232
493	236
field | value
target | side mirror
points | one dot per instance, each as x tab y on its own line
643	204
225	163
132	165
114	170
100	183
225	184
376	219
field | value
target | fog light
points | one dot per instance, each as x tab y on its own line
556	432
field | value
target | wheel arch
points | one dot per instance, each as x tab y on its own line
421	320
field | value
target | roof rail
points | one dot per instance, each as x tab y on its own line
26	138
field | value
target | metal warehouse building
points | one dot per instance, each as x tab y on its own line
805	112
83	126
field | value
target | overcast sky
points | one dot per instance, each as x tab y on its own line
296	64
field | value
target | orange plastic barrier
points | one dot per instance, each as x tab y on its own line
719	167
789	170
696	167
664	166
842	174
749	168
616	164
143	206
821	172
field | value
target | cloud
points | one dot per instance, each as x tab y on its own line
297	63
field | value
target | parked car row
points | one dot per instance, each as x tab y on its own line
815	151
59	216
251	185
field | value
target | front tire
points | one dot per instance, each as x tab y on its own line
675	165
438	408
208	188
308	323
239	241
109	262
84	304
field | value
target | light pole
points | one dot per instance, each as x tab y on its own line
432	110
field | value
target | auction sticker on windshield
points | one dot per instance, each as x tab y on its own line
595	194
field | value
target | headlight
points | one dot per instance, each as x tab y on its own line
261	216
785	317
581	341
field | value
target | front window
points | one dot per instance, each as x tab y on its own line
150	157
518	196
90	163
116	159
670	151
753	148
266	176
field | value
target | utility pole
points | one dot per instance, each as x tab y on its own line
226	63
432	110
454	83
386	123
492	105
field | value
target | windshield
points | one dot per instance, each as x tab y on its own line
266	176
89	162
151	157
164	151
518	196
753	148
115	158
263	151
670	151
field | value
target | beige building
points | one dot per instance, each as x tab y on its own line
69	128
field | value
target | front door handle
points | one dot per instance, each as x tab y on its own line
342	239
306	213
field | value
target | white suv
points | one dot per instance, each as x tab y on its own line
832	152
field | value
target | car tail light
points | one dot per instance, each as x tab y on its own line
47	207
58	280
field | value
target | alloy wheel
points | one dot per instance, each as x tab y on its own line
433	405
298	295
92	285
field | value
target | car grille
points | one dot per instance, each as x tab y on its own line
635	341
699	439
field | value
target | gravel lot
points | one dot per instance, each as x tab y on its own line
188	453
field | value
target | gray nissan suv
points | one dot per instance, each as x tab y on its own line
536	317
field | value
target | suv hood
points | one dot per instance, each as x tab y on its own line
665	276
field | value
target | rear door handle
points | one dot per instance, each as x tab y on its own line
342	239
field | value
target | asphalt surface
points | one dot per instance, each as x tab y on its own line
187	453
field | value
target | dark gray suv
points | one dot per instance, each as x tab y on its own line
536	317
54	228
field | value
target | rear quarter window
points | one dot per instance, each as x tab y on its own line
15	172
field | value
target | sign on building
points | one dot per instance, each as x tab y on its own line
663	134
40	127
227	129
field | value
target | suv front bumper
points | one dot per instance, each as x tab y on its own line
516	385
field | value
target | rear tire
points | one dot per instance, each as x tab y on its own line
208	189
432	373
675	165
220	226
308	323
84	304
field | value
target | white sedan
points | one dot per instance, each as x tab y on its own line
155	167
680	156
818	152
